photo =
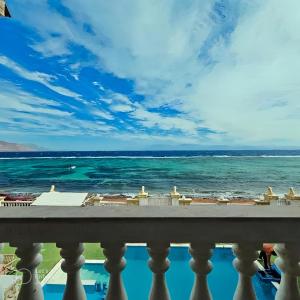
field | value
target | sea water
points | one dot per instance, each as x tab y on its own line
206	173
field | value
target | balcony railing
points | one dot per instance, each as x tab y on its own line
15	203
113	227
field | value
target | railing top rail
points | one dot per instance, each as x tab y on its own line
44	213
143	224
17	201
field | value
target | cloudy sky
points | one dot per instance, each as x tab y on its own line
151	74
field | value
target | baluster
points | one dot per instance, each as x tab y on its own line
159	264
1	256
30	258
246	254
201	265
73	260
114	264
288	262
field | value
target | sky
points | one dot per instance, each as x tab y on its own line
151	74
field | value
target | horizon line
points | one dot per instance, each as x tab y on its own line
169	150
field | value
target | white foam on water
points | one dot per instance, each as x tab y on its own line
150	157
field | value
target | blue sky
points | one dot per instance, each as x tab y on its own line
159	74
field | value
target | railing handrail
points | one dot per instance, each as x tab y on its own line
137	212
144	224
17	201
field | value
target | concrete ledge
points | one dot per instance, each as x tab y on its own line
140	212
145	224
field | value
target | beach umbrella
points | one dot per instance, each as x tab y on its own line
4	12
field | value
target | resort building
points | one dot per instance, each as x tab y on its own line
16	200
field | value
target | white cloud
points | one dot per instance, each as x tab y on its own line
52	46
14	99
102	114
151	119
119	102
251	92
99	85
21	110
42	78
120	98
121	108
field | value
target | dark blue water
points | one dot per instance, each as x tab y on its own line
181	153
233	173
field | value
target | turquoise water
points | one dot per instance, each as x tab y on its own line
239	176
137	277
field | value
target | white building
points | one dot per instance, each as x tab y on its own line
60	199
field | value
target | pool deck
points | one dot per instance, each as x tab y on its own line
57	276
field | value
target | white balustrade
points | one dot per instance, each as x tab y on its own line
16	203
114	264
246	254
30	258
288	262
73	260
159	264
248	226
200	264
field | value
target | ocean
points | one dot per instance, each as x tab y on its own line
244	173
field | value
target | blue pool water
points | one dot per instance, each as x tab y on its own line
137	277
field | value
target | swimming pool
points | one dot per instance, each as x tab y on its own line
137	277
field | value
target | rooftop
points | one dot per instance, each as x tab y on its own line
60	199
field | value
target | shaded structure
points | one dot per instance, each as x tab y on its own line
4	12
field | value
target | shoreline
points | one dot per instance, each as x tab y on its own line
122	198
